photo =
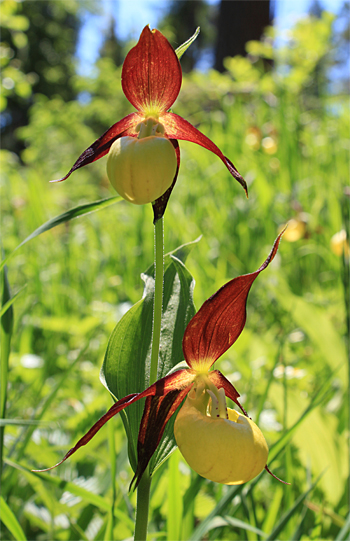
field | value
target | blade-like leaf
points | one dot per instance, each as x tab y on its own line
102	503
10	521
127	359
75	212
219	522
174	498
183	48
6	326
288	515
344	531
10	302
236	523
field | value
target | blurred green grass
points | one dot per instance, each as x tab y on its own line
289	139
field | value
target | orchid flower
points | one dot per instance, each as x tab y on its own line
151	81
224	446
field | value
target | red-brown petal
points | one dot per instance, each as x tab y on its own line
160	204
220	320
177	127
175	381
151	75
156	414
101	146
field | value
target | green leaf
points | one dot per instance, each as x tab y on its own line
183	48
20	444
6	327
34	477
10	302
126	365
174	498
344	531
75	212
219	522
10	521
243	525
291	512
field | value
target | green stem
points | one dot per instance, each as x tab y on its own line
142	505
158	297
144	488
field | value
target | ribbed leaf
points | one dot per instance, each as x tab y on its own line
126	365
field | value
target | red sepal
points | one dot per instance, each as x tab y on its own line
220	381
156	414
160	204
151	75
175	381
220	320
101	146
177	127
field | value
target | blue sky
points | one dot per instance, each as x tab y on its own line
132	15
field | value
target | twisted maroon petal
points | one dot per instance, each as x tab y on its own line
177	127
157	412
220	320
151	75
101	146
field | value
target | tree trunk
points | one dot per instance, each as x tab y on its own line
239	21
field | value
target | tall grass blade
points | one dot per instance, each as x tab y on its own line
75	212
95	499
113	458
10	302
244	526
10	521
6	327
174	498
291	512
24	437
343	534
202	528
188	517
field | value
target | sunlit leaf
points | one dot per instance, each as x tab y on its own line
183	48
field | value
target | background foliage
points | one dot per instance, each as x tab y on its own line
289	137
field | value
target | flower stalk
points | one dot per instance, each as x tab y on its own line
142	507
158	297
144	487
